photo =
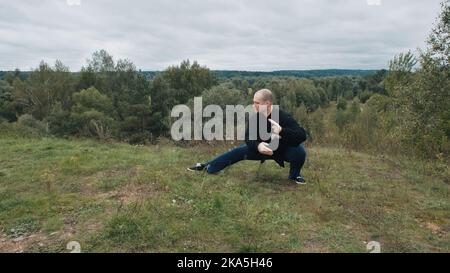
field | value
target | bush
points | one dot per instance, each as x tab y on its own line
341	103
29	121
16	130
61	123
91	98
93	124
364	96
222	95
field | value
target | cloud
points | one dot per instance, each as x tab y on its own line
241	34
73	2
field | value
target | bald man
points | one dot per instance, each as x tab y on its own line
290	136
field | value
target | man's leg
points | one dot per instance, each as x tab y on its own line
234	155
296	157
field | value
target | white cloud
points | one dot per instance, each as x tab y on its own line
373	2
240	34
73	2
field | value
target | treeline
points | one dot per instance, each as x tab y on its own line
294	73
227	74
111	99
107	99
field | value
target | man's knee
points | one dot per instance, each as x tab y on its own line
243	149
297	154
302	152
232	156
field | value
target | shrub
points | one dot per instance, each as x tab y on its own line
29	121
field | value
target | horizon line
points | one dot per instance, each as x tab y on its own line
235	70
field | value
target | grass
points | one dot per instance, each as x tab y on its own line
113	197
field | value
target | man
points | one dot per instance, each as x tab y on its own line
290	136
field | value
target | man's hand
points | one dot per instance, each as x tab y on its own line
276	128
264	149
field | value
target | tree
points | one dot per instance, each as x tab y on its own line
400	74
177	85
439	39
129	92
422	97
222	95
90	114
341	103
44	87
189	80
7	106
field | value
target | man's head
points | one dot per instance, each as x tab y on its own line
263	100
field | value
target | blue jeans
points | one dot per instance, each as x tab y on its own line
294	155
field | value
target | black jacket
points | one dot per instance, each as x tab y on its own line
291	135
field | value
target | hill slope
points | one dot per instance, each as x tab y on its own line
117	197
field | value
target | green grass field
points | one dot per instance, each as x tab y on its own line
113	197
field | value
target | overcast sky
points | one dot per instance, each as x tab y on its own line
221	34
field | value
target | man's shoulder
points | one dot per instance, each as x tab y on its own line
287	119
283	114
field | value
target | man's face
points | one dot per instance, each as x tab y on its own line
260	105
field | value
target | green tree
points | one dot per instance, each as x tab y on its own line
129	92
90	114
223	95
341	104
189	80
7	105
177	85
44	87
400	74
422	97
